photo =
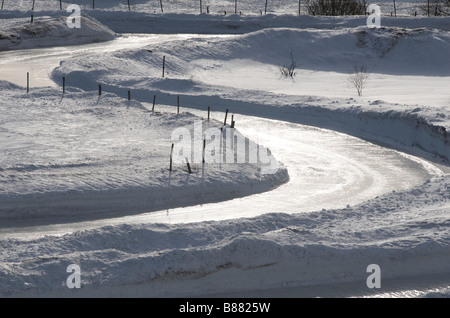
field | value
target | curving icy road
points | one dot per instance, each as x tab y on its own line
39	62
327	170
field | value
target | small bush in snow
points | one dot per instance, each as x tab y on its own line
289	70
359	78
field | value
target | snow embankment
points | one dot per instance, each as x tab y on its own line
216	71
48	31
145	16
77	153
405	233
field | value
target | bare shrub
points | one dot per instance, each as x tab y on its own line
289	70
359	78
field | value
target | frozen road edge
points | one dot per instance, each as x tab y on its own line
405	233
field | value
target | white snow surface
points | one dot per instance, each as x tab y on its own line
77	152
405	232
47	31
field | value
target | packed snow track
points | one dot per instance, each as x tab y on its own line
327	169
348	203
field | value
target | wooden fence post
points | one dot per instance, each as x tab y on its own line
154	100
225	121
64	84
204	146
178	104
171	153
99	89
164	65
209	110
188	165
28	82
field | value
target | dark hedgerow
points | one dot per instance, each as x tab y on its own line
336	7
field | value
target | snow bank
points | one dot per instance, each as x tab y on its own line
275	250
79	153
48	31
185	17
196	68
213	7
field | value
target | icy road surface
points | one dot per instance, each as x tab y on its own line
327	170
39	62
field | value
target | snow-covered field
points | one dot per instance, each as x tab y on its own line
76	153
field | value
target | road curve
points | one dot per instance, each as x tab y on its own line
327	169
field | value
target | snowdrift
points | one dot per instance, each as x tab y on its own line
79	153
48	31
271	251
195	66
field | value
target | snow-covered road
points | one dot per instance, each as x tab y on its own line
328	170
39	62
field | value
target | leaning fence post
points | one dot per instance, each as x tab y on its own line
154	100
164	64
188	165
225	121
